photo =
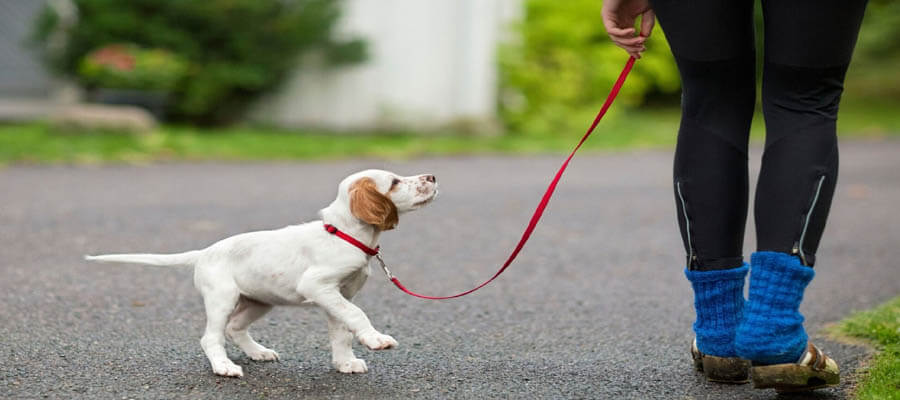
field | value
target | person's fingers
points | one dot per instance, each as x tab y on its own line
634	49
648	19
623	33
628	41
631	41
638	47
628	34
614	30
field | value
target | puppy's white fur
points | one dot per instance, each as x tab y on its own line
243	276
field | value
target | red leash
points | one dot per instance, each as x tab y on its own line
534	218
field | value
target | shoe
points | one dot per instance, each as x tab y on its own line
813	371
771	334
721	369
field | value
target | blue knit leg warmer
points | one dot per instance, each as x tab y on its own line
772	330
719	304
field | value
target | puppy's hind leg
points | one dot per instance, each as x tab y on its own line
342	356
219	303
246	312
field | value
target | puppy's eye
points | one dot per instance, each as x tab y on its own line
395	182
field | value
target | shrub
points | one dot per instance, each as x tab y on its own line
236	49
557	74
121	66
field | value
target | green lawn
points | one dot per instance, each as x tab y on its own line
43	143
881	327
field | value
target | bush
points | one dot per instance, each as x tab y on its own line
880	34
555	77
235	49
873	76
120	66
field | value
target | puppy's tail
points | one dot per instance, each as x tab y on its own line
188	258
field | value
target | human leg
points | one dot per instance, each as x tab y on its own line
808	49
716	63
717	67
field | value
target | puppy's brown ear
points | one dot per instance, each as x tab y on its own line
372	207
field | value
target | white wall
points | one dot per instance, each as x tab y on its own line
432	63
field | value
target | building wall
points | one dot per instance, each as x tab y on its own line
432	64
21	74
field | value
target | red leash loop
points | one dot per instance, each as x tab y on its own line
543	204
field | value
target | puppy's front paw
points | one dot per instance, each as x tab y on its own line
228	368
263	354
377	341
354	366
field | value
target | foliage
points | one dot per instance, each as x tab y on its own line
873	72
236	49
881	326
556	76
121	66
880	32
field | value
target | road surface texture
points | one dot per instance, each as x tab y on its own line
597	305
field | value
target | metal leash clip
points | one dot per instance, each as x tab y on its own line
384	267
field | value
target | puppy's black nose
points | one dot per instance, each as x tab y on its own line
430	178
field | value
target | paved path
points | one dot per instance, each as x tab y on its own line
596	307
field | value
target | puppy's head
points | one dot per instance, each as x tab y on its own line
378	198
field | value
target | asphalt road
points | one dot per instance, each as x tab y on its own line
596	306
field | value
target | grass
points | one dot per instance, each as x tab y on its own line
881	327
43	143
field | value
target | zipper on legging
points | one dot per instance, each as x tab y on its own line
691	257
798	246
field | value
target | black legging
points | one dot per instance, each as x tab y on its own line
808	45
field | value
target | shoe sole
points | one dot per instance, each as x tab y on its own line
788	378
726	369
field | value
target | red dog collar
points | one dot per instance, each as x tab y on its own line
349	239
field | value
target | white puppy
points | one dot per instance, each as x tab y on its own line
242	277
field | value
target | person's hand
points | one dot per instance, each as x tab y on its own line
618	19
